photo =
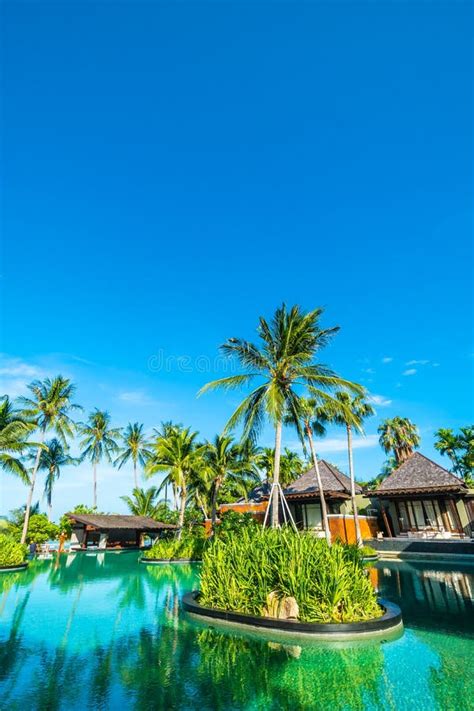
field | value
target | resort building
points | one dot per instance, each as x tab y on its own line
305	505
113	531
420	498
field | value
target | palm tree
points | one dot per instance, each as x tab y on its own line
142	502
350	413
52	458
134	447
176	453
98	443
284	361
14	430
291	465
459	448
400	436
49	408
309	412
227	461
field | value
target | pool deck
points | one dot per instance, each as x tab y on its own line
417	549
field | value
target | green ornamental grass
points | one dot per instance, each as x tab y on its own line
329	583
190	546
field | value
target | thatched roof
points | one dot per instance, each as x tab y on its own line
420	475
108	522
334	482
259	492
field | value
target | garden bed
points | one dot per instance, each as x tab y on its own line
390	620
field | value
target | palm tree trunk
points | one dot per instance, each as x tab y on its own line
30	493
324	512
181	512
353	497
215	493
276	477
135	474
94	479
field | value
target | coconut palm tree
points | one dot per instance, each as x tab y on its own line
309	412
52	458
134	446
400	436
49	408
227	461
459	448
14	431
143	502
175	453
291	464
283	362
99	442
350	413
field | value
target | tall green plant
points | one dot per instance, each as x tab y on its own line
283	361
329	583
52	458
176	454
350	413
14	432
49	408
400	436
134	446
143	502
99	441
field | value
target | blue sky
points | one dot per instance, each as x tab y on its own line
173	170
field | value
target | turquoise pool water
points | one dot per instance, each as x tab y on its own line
101	631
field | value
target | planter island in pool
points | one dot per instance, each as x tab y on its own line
390	621
168	561
13	568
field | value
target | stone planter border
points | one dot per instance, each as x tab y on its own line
390	620
13	568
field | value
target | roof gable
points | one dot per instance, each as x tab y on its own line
331	478
419	472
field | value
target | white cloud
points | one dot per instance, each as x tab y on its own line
16	374
370	371
410	371
387	359
339	444
135	397
380	400
417	362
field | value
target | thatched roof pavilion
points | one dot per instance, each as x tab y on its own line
114	530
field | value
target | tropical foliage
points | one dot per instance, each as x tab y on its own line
283	363
11	552
14	431
40	529
459	447
49	407
133	447
53	457
400	436
99	442
189	546
329	583
143	502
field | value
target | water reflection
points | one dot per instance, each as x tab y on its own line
427	593
106	633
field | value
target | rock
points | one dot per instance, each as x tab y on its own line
283	608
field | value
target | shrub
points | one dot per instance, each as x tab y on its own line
368	552
11	552
190	546
329	583
232	522
40	529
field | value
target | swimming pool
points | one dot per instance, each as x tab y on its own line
100	631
